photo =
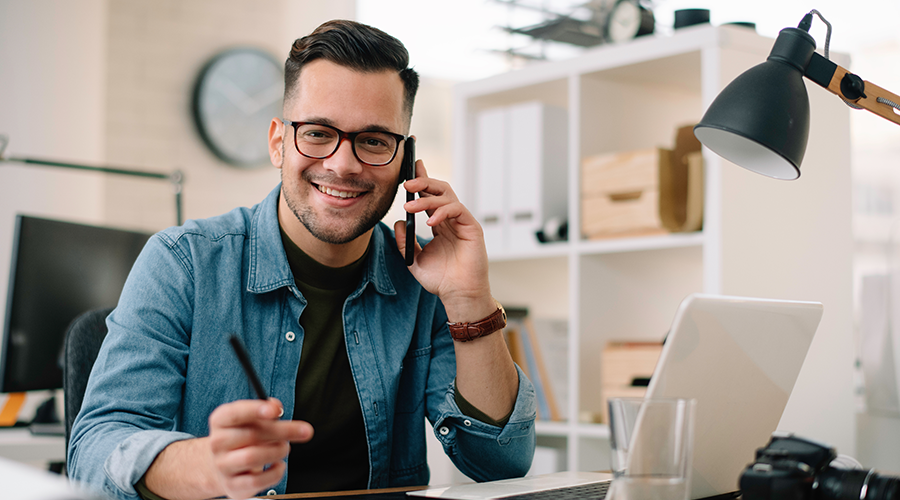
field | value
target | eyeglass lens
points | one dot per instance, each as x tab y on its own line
374	148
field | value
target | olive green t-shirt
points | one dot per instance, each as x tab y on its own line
337	457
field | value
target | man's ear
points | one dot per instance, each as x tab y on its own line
276	142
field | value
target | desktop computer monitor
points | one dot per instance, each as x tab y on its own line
59	270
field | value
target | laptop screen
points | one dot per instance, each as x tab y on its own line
739	358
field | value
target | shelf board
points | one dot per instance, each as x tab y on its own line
616	245
557	249
564	429
593	430
629	61
611	245
549	428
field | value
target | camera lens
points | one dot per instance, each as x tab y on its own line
883	487
840	484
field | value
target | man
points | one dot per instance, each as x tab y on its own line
354	348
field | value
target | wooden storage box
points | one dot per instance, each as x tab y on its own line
620	364
641	193
620	193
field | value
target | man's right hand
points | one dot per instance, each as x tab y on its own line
244	453
249	444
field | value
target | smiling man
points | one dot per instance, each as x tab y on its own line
355	348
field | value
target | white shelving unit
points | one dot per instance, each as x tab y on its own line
761	237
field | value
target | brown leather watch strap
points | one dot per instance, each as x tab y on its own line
464	332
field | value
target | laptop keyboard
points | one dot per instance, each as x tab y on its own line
583	491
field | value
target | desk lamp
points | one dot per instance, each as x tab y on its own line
176	178
760	121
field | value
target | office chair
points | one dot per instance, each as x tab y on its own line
83	340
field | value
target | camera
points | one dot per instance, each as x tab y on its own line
793	468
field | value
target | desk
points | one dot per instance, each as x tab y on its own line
17	443
380	494
390	494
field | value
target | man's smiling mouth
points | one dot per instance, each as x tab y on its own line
336	193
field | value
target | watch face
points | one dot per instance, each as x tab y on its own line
235	98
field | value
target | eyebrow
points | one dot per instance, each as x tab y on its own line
368	128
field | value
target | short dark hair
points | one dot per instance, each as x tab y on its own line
356	46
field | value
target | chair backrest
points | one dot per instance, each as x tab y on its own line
83	340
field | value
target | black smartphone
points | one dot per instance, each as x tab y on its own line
408	171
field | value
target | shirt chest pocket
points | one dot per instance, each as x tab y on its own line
413	378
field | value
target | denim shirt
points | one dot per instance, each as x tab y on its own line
166	363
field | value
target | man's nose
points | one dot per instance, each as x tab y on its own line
344	162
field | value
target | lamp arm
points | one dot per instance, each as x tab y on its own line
176	178
91	168
853	89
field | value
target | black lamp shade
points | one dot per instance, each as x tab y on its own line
760	121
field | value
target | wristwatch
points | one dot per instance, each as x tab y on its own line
464	332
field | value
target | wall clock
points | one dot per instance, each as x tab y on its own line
627	20
236	95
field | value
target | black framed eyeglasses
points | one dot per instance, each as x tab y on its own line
319	141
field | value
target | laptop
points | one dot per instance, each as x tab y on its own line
738	357
25	482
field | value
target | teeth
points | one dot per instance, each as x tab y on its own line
339	194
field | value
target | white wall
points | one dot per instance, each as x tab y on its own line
52	97
876	158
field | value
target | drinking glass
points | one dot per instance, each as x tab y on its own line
652	446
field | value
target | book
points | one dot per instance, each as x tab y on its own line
526	352
534	373
514	339
552	339
535	358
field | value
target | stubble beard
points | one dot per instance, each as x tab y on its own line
335	234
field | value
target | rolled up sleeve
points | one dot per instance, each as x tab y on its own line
120	459
486	452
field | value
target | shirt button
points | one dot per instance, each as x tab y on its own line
271	492
444	431
290	338
467	422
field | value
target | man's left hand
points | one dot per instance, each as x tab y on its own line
454	265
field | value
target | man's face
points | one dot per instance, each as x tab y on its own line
338	199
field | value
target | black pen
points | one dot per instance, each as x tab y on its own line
248	367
